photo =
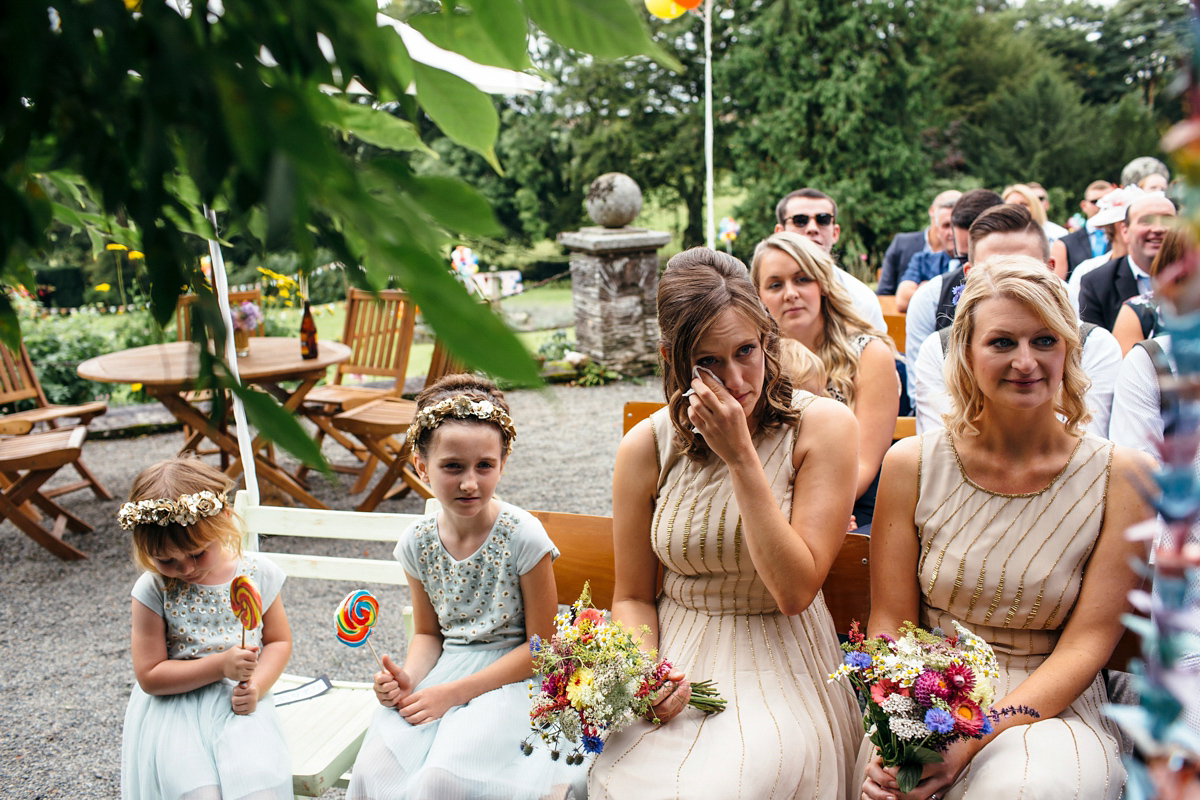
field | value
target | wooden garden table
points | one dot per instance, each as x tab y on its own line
168	371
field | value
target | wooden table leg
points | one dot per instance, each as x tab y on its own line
188	414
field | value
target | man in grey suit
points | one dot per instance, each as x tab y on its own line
905	245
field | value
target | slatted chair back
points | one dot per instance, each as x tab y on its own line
183	310
442	363
324	733
18	381
379	331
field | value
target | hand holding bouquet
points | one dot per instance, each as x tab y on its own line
596	679
924	692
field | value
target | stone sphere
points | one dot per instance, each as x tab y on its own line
614	200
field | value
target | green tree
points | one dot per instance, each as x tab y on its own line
840	96
156	113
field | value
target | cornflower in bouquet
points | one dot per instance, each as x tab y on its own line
923	691
595	680
247	316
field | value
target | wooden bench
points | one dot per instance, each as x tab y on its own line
324	733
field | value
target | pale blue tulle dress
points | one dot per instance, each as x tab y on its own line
192	746
473	751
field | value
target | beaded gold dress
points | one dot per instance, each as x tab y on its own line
786	733
1010	568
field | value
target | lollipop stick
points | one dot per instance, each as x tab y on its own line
377	658
243	638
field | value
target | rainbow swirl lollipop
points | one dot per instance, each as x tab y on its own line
355	617
246	602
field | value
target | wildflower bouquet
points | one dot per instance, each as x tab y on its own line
247	316
596	679
923	692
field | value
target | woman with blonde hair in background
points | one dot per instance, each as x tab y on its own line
795	280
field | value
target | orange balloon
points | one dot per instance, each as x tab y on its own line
688	4
666	9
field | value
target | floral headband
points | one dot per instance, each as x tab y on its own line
462	407
185	511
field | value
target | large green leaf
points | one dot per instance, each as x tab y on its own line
10	327
604	28
464	113
467	327
379	128
455	205
280	426
494	33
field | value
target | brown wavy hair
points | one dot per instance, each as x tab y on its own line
698	286
468	385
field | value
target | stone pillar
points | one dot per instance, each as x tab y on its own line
614	279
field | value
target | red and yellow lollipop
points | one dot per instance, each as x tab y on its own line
246	603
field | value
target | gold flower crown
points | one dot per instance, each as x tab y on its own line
462	407
184	511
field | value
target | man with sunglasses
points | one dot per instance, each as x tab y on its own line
812	213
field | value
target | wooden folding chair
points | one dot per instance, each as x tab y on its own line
18	382
27	461
380	425
379	329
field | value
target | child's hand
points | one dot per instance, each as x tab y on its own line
392	684
245	697
430	703
238	663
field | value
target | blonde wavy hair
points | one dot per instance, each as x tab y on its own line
169	480
1027	281
842	320
1035	208
697	287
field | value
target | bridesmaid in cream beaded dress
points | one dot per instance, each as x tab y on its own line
740	489
1011	521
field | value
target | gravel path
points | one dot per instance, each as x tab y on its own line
64	629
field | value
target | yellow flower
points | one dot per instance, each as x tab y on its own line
283	292
136	387
115	246
103	287
577	686
133	5
134	255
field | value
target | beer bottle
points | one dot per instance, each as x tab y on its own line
308	334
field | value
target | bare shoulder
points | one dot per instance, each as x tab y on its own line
877	353
903	457
826	426
1132	470
636	457
823	414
